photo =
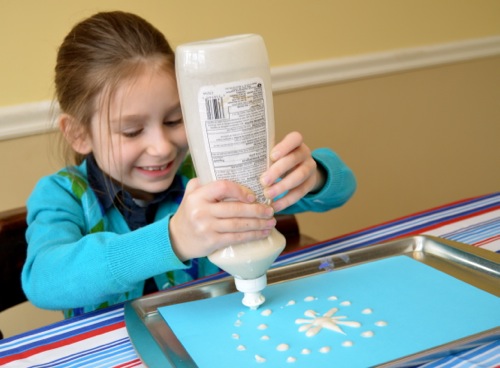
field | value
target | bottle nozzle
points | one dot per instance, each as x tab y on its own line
252	290
253	300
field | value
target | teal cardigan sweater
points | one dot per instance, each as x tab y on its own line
81	259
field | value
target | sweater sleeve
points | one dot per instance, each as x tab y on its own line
67	267
339	186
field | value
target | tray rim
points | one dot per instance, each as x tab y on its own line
143	313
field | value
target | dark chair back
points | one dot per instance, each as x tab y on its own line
12	256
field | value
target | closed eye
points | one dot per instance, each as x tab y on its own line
173	123
131	133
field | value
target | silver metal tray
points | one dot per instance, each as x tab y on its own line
158	346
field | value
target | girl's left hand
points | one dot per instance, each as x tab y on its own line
291	160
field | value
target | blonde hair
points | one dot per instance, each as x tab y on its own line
96	55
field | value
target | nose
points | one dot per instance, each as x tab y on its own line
159	143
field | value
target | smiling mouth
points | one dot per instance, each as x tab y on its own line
154	168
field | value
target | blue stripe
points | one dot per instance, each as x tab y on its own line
476	233
74	357
480	225
62	336
58	327
489	353
102	354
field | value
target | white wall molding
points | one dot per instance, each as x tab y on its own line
336	70
34	118
25	120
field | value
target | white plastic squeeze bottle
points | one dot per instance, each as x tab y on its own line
226	98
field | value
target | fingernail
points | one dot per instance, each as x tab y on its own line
264	180
271	223
269	212
274	155
269	193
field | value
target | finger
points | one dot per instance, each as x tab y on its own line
232	209
288	144
225	190
286	201
192	185
282	167
293	195
294	178
243	225
226	239
279	169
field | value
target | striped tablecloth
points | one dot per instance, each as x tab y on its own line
100	339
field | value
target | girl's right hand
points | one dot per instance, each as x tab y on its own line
216	215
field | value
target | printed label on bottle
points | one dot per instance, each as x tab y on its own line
234	123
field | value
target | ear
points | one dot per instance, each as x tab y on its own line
75	134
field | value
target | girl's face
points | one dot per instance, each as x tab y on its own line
145	142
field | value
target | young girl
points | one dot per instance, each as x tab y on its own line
124	219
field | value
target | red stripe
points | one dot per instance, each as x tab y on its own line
132	363
58	344
487	240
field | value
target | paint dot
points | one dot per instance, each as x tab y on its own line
367	311
305	351
238	323
291	359
282	347
381	323
241	348
333	297
309	298
367	334
310	313
259	359
235	336
264	337
291	302
346	303
347	344
262	326
325	349
266	313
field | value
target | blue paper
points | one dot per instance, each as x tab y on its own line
423	308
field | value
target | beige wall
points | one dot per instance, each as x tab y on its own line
295	31
415	139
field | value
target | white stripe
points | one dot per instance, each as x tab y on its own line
58	330
68	350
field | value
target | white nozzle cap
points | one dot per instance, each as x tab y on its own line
251	288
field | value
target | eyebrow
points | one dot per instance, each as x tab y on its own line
132	118
139	118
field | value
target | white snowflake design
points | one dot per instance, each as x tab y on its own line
317	323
